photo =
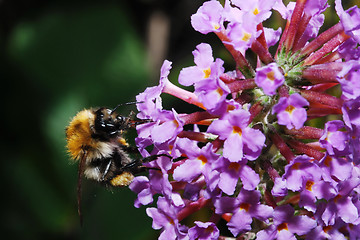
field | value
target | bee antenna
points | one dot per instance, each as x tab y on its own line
122	104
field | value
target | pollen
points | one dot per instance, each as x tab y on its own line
209	229
237	130
245	206
220	91
337	198
290	109
309	185
327	228
230	108
296	166
176	123
256	11
203	159
171	221
207	72
327	161
282	226
234	166
270	76
122	180
328	136
246	37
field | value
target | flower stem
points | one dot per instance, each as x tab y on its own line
196	136
305	132
305	149
322	73
192	207
300	40
282	39
283	148
294	24
195	117
262	52
327	48
182	94
322	98
241	85
321	39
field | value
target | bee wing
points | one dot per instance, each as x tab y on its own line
80	174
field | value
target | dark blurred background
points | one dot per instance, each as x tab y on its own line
57	58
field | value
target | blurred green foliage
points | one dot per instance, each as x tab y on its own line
54	64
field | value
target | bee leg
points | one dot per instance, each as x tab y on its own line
130	149
131	165
154	157
136	164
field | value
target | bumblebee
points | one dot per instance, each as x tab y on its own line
95	140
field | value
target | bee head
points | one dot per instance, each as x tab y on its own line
108	124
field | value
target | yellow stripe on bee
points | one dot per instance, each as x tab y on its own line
78	134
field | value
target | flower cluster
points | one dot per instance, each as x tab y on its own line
249	163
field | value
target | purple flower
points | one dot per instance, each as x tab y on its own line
272	36
208	18
315	7
350	19
354	229
348	78
313	191
259	8
336	168
164	131
351	116
230	172
299	172
226	154
341	206
141	186
286	224
314	26
349	50
335	141
243	34
269	78
285	11
205	67
199	162
291	112
149	101
351	113
165	218
205	76
245	207
327	232
240	140
204	231
211	93
158	183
